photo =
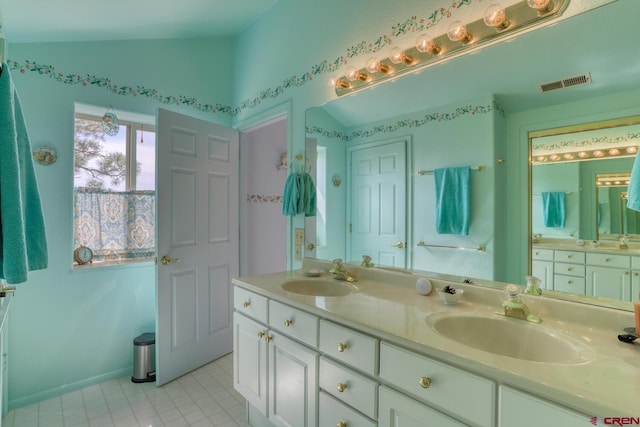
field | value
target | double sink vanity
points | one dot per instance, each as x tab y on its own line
315	351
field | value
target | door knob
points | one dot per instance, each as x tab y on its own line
398	245
168	260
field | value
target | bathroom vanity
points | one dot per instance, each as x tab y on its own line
375	353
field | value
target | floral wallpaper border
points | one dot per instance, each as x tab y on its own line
260	198
468	110
630	138
410	25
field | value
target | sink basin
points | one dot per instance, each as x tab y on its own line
510	337
323	288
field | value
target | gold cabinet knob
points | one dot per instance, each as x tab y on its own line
626	273
166	260
342	387
288	323
342	347
246	304
425	382
260	334
268	338
341	424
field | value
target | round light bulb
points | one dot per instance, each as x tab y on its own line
374	66
352	73
542	6
632	150
336	82
554	157
398	55
496	17
424	43
583	154
457	32
598	153
614	152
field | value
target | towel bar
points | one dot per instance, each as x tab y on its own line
480	248
479	168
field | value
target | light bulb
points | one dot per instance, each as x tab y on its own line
374	66
583	154
568	156
614	152
457	32
352	73
554	157
426	44
398	55
496	17
598	153
339	83
632	150
542	6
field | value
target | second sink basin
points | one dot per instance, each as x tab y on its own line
510	337
319	287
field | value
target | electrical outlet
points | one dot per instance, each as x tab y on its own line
298	254
299	236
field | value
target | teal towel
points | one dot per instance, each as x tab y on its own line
299	195
23	244
633	191
453	211
553	209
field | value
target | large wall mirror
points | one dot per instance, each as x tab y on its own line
469	100
584	239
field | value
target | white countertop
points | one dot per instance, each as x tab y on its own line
607	385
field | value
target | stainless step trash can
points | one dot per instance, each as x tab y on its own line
144	358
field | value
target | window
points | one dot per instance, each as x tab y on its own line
114	189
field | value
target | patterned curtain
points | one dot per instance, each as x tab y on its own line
115	225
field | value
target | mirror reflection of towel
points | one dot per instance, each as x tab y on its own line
452	200
553	209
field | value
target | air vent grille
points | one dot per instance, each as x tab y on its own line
581	79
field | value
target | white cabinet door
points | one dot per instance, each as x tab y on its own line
398	410
250	361
293	383
523	410
543	270
609	282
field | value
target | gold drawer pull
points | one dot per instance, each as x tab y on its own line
569	269
342	347
607	259
569	282
342	387
425	382
246	304
288	323
342	424
268	338
260	334
569	256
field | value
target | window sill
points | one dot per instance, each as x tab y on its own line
133	263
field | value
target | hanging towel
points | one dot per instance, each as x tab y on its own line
310	196
452	200
23	245
633	191
299	195
553	209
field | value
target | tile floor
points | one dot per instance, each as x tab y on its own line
202	398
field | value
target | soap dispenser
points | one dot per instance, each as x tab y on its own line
533	286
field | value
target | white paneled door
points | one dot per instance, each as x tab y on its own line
197	195
378	214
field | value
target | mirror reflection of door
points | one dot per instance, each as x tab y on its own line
377	206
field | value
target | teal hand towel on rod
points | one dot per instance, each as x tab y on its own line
453	210
23	244
299	193
633	190
553	208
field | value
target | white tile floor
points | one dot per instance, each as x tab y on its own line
202	398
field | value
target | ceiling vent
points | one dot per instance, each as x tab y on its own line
581	79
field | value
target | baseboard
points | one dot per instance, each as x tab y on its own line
68	388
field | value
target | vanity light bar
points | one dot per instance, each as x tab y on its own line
577	156
459	38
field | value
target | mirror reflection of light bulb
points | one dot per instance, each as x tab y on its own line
632	150
583	154
457	32
542	6
496	17
425	44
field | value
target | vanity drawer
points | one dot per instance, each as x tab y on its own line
575	257
250	304
608	260
569	269
346	385
542	254
293	322
333	412
571	284
448	386
349	347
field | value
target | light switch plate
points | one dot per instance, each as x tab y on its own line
299	236
298	254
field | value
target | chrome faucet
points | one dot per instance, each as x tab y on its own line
340	272
514	307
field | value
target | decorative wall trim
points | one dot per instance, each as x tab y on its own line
631	138
412	24
259	198
460	112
